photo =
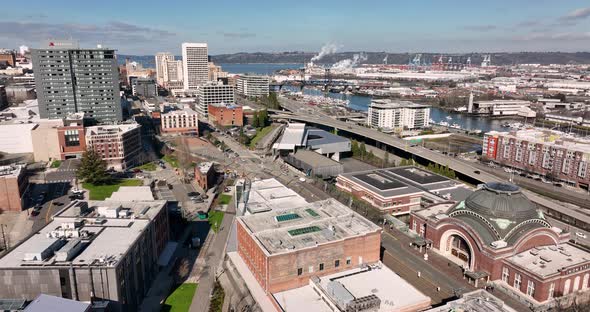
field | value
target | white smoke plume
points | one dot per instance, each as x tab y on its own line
327	49
350	63
385	59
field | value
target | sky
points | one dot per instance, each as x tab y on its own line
452	26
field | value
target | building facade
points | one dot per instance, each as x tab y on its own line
145	87
498	235
195	63
205	175
253	85
211	94
215	72
106	250
283	249
72	137
14	183
3	98
226	115
543	152
71	80
174	74
7	58
391	115
162	59
119	145
183	121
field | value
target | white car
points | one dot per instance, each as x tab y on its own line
580	235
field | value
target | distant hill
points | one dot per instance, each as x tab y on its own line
378	57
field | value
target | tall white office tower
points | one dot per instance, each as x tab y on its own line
162	58
195	65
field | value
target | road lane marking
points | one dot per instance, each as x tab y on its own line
389	234
48	211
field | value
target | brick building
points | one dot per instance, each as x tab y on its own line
119	145
544	152
182	121
498	235
382	189
7	58
284	248
13	185
205	175
226	115
72	137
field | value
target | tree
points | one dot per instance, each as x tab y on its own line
354	148
255	121
93	169
363	150
263	118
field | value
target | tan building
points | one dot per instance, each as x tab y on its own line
45	140
182	121
13	185
215	72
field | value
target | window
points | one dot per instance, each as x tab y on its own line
321	266
310	269
348	260
517	281
530	288
336	263
72	138
551	290
299	271
505	275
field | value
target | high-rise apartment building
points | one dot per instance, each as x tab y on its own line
213	93
71	80
253	85
389	115
162	59
195	65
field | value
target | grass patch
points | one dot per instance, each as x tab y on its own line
259	135
215	218
180	299
100	192
216	304
172	160
148	167
224	199
56	164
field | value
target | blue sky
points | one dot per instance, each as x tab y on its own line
146	27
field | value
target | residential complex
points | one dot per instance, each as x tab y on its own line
119	145
544	152
252	85
497	235
195	62
213	93
90	249
391	115
184	121
226	114
70	79
13	185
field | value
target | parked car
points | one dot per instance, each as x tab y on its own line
477	172
580	235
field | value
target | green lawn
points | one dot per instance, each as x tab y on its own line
180	299
56	164
259	135
148	167
100	192
224	199
172	160
215	218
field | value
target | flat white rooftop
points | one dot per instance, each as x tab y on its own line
549	260
270	194
282	231
394	292
132	193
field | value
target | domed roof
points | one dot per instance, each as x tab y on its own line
503	201
499	211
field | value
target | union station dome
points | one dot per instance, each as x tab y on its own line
499	211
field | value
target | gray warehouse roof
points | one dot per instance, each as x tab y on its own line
46	303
